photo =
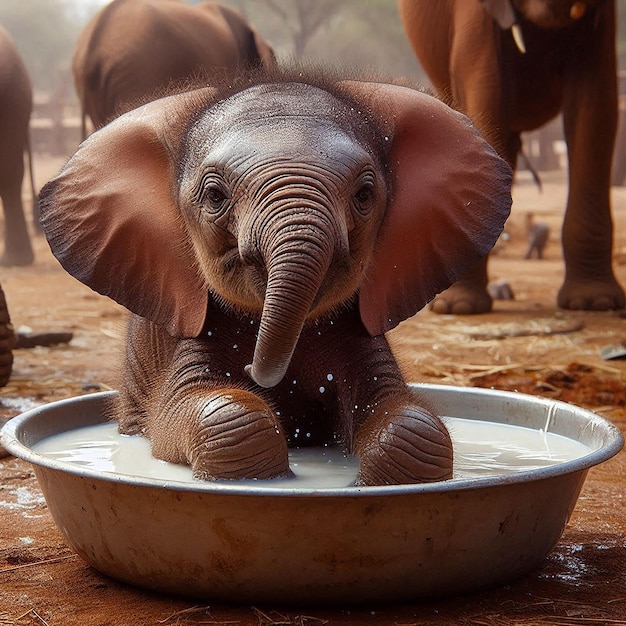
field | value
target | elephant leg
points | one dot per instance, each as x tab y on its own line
191	417
475	92
467	296
7	341
17	246
590	124
221	434
403	443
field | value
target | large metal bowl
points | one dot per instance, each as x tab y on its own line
248	544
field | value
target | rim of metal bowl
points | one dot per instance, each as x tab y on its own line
10	440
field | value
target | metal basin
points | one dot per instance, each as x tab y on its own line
248	544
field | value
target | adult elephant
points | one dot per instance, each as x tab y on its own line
15	108
511	66
132	50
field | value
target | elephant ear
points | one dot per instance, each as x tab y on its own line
450	197
111	220
501	11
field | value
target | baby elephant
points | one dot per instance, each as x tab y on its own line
265	235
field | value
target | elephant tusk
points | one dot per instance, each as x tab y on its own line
578	10
518	38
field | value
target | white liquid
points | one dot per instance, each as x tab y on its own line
480	449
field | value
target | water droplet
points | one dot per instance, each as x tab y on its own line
235	346
322	389
209	333
228	374
329	377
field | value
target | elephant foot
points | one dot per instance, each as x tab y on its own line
587	295
18	258
462	299
413	447
238	437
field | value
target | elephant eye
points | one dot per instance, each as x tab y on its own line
214	198
364	197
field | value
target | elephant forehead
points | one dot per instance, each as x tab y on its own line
278	139
282	139
286	99
280	119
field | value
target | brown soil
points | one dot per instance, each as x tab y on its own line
525	344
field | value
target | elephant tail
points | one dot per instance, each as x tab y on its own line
33	188
83	122
532	169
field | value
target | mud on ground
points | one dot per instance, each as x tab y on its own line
526	344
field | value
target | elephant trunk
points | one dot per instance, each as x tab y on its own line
297	261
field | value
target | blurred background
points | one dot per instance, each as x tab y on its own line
364	34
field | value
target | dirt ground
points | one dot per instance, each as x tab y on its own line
525	344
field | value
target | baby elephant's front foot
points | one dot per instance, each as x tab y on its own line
412	447
238	437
